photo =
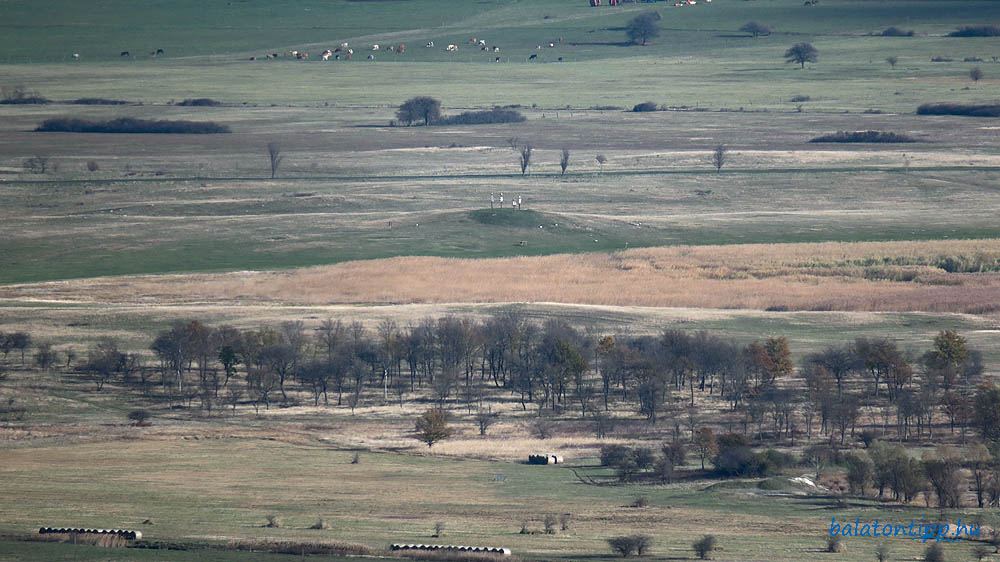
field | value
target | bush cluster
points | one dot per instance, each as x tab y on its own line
487	117
99	101
970	110
863	136
627	545
896	32
645	106
976	31
199	102
130	125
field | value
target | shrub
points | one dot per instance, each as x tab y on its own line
438	528
776	461
704	546
739	462
970	110
896	32
612	455
99	101
19	95
130	125
972	59
835	544
626	545
140	417
273	522
942	59
200	102
644	458
863	136
640	501
93	166
645	106
549	524
564	521
320	524
882	552
487	117
976	31
934	553
796	99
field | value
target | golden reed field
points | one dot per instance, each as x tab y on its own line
935	276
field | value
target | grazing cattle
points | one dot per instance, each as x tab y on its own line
533	57
125	54
344	44
551	45
496	49
302	56
268	57
484	48
338	49
293	53
253	58
371	57
348	57
473	41
401	49
538	46
451	48
159	51
326	54
337	57
498	59
375	47
76	55
274	55
350	52
482	42
560	59
430	44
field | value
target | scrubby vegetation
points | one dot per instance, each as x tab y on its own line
199	102
976	31
486	117
645	106
971	110
18	95
896	32
131	125
864	136
99	101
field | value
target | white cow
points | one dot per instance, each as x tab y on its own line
375	47
452	48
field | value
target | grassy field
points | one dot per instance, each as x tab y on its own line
653	238
398	498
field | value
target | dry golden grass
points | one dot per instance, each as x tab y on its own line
868	276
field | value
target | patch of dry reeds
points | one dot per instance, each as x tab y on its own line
934	276
303	548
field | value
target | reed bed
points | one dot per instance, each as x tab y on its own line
933	276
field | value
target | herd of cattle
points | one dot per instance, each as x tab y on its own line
346	52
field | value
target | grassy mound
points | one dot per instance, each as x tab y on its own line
511	218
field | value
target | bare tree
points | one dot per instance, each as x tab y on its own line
274	153
525	151
719	157
40	164
564	160
601	159
892	61
976	74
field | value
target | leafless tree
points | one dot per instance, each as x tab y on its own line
601	159
37	164
274	153
525	151
564	160
976	74
719	157
892	61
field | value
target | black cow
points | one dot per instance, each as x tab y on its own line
125	54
